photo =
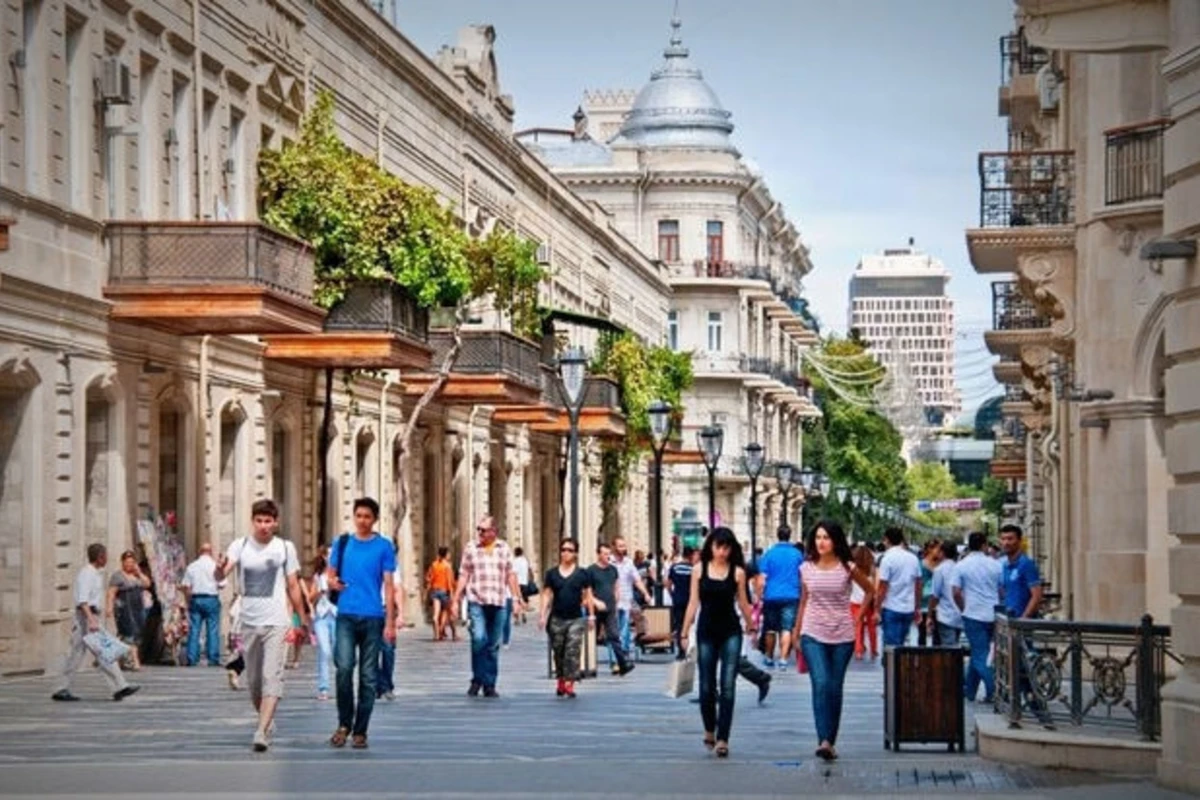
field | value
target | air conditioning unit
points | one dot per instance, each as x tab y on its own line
1049	89
543	254
114	83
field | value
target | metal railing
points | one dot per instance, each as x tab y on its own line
1019	188
1013	311
1018	57
730	269
1015	393
1083	673
1133	162
492	353
552	396
383	307
212	253
600	391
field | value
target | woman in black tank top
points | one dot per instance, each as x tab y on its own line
718	591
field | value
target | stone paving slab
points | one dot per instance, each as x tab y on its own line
186	734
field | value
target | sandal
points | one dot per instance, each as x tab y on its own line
359	741
825	753
339	737
710	741
722	750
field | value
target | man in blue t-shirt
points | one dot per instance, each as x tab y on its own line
1022	584
780	570
361	565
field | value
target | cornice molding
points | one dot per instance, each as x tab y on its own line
1136	408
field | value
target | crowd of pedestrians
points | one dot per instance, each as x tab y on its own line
820	601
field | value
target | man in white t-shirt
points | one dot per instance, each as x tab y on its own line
88	598
628	579
267	576
524	572
899	588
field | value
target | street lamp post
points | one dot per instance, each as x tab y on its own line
660	428
753	460
711	439
783	474
572	368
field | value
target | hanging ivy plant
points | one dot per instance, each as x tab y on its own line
505	265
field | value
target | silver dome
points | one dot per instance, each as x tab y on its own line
677	108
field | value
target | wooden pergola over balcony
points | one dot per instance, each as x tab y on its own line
600	415
210	278
493	368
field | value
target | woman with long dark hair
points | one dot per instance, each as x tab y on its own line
718	592
866	625
825	626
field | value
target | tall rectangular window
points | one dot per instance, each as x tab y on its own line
79	125
149	140
208	154
715	324
673	330
237	157
179	140
715	231
668	240
33	98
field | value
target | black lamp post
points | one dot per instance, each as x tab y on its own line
572	368
711	438
660	428
752	458
783	475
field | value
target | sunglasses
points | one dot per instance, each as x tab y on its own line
567	550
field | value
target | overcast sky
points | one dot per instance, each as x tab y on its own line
866	116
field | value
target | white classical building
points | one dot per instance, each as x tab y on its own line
899	305
661	160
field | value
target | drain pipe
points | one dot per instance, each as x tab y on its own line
198	143
388	382
202	414
1050	464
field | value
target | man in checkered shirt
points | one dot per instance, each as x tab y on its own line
485	572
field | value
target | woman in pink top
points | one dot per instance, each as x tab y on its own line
825	626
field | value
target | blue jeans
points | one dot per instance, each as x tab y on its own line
827	665
324	627
895	627
507	621
486	624
717	712
979	637
385	678
948	635
204	609
357	639
623	618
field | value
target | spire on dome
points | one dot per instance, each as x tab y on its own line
676	49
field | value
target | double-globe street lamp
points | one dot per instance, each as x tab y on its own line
711	438
660	429
572	367
753	460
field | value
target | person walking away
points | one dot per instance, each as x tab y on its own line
267	576
718	592
780	570
566	612
866	622
484	575
679	586
525	579
324	622
204	607
606	589
943	611
88	617
825	628
439	586
127	604
630	581
360	570
931	556
899	588
976	588
385	680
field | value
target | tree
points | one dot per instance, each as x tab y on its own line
366	225
928	480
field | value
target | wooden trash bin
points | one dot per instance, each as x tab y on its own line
923	697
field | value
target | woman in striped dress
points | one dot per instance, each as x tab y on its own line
825	625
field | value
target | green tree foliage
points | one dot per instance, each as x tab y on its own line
852	445
932	481
993	492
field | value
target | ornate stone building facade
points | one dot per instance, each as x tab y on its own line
1094	209
152	113
662	161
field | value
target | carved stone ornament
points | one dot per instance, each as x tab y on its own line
1048	279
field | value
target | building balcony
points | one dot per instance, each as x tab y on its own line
728	270
1020	63
1026	203
194	278
1008	460
1008	372
601	414
1097	26
493	368
375	326
1016	321
1133	165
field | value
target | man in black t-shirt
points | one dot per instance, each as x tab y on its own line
679	584
606	591
566	610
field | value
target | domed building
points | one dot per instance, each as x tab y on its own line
662	161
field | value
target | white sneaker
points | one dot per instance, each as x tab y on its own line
262	741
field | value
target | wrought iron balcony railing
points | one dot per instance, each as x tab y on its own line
492	353
1015	394
209	253
1083	673
1013	311
1133	162
380	307
1018	57
1020	188
600	391
729	269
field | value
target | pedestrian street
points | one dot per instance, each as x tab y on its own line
187	734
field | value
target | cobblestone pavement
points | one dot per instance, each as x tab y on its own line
186	734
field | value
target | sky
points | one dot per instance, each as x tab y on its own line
865	116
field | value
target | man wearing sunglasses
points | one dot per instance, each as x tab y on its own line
486	570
